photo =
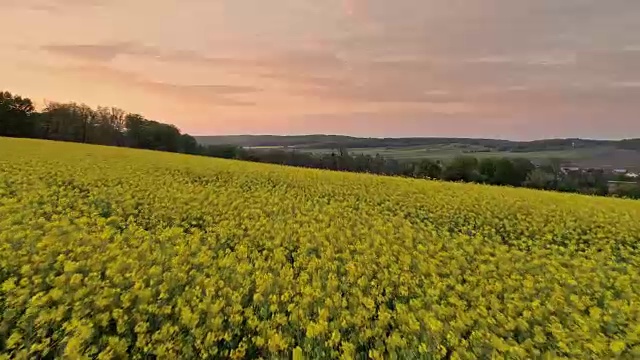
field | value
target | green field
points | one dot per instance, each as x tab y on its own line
600	157
114	253
447	152
579	152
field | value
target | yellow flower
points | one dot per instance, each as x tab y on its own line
297	354
276	342
617	346
131	253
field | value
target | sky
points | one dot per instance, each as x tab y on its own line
524	69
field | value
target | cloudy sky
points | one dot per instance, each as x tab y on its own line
518	69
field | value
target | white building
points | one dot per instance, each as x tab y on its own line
568	169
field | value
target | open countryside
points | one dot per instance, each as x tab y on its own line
597	157
573	152
109	252
453	159
319	180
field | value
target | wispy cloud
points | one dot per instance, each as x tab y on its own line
52	5
518	61
214	94
110	51
627	84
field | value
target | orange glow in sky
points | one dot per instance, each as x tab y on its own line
473	68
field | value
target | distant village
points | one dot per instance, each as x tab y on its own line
616	178
620	173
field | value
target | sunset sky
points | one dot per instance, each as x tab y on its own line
518	69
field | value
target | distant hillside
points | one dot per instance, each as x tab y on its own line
275	140
340	141
606	154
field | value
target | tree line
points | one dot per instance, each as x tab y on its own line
515	172
112	126
473	145
102	126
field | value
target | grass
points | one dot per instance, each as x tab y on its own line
447	152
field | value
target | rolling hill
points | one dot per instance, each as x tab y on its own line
608	154
110	252
333	141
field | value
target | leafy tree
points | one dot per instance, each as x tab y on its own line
343	160
540	179
522	168
189	145
135	132
463	168
631	191
392	167
504	172
108	126
428	169
229	152
66	122
555	165
165	137
16	115
147	134
361	163
488	168
591	182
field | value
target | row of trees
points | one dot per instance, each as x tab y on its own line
115	127
516	172
80	123
103	126
465	144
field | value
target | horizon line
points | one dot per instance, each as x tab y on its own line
423	137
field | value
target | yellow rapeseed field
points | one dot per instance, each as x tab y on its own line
114	253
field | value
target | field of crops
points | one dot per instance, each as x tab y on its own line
110	253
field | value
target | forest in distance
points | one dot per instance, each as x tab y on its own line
74	122
584	153
321	141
